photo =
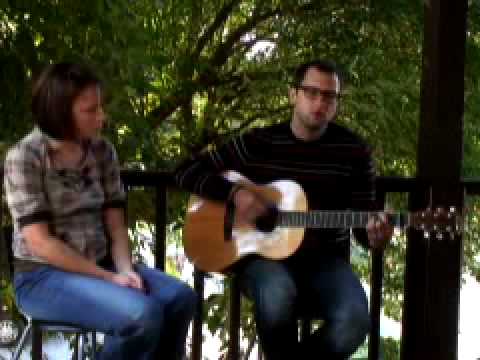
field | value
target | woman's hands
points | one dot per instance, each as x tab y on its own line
128	279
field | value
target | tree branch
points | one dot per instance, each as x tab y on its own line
224	51
209	76
220	19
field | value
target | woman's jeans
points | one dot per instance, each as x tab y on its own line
325	289
138	325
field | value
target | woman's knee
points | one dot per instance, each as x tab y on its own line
143	320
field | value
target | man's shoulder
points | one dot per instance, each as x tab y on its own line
345	135
270	133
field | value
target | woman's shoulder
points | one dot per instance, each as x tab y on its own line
31	146
102	147
101	143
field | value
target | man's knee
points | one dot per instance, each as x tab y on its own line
350	329
185	300
275	303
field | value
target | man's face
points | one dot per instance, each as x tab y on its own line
315	101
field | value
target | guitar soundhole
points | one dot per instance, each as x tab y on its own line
267	222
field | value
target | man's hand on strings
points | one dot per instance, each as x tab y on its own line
379	231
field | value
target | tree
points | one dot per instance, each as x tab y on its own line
181	75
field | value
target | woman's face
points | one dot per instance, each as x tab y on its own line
87	113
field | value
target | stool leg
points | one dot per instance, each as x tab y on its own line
260	353
22	341
305	328
36	342
81	346
94	345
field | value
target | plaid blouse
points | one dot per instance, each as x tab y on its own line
70	200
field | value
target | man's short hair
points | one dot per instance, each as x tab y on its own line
322	65
53	94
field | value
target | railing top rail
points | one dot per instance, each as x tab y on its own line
384	183
472	186
147	178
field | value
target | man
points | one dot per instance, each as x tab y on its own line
335	169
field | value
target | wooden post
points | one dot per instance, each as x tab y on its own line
433	272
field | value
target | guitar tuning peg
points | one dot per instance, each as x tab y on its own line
426	235
439	236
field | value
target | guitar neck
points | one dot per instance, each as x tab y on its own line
336	219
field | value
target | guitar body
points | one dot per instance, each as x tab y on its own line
213	242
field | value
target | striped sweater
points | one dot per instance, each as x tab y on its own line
335	171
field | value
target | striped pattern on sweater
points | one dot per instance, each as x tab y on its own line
336	171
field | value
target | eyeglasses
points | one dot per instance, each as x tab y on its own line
312	93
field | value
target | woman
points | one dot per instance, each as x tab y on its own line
64	193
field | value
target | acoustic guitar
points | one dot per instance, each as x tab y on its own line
213	241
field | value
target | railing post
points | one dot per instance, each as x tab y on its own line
376	285
197	339
4	263
160	225
234	320
305	327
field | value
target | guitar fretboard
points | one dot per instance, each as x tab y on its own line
335	219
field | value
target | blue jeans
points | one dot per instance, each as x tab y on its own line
137	325
325	289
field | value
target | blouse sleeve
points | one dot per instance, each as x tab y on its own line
25	193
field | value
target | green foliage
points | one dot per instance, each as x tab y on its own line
217	319
390	349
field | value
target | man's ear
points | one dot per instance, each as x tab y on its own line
292	95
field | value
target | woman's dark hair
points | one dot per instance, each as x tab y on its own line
53	94
325	66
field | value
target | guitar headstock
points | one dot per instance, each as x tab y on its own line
438	221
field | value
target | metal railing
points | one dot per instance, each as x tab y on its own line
162	183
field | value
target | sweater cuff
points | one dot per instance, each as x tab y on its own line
233	191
